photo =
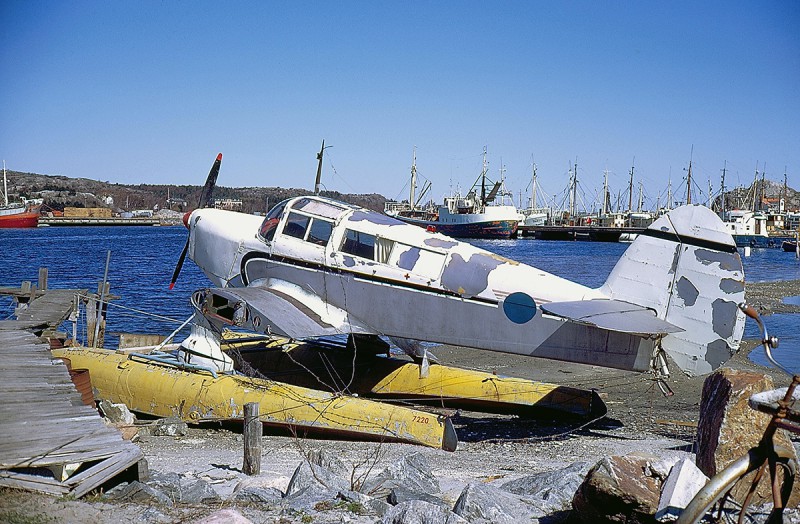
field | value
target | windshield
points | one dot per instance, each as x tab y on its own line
270	223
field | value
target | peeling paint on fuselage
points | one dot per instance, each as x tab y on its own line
469	277
440	242
726	261
687	291
718	352
408	259
731	285
374	218
722	311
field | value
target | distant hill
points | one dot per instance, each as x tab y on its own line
59	192
770	193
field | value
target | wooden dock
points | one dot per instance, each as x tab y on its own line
50	440
98	221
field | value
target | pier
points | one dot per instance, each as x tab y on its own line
52	438
591	233
98	221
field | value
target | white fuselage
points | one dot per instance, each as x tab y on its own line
402	281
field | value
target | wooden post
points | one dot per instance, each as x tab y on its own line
103	290
91	319
253	429
43	279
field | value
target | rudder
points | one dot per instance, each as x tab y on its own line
686	267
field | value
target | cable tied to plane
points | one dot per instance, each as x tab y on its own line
120	306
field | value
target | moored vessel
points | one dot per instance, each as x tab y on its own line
23	213
470	216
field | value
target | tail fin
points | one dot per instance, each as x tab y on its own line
685	266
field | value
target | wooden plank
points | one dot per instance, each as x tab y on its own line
32	383
100	473
11	479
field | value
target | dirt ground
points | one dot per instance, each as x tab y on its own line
492	448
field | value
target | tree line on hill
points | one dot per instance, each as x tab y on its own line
60	191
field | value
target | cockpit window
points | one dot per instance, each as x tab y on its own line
359	244
270	223
320	231
296	225
318	207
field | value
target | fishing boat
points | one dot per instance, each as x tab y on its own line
472	216
23	213
789	245
749	228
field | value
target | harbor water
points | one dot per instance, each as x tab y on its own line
144	257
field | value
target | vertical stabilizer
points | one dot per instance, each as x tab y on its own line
685	266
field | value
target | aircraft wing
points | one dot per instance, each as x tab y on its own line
612	315
281	309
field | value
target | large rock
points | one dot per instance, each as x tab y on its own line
364	503
482	503
412	472
185	490
619	489
552	490
225	516
399	495
682	484
728	427
117	413
254	494
310	476
139	493
420	512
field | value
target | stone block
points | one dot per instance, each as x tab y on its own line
728	427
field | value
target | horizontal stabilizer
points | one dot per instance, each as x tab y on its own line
612	315
276	310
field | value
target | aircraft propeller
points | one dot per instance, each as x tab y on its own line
205	201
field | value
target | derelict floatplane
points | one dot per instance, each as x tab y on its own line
315	267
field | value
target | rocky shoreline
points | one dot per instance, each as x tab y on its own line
496	455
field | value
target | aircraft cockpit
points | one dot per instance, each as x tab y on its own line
306	218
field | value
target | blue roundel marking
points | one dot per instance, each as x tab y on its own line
519	307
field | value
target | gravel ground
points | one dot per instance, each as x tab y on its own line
492	448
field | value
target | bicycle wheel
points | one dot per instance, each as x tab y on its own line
715	503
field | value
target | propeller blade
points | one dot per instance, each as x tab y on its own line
211	181
205	201
180	264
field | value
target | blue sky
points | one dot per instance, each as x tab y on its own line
149	92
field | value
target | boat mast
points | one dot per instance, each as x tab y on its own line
724	170
5	184
755	189
669	189
630	188
641	198
413	179
785	191
689	179
605	192
573	193
503	192
533	185
483	177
